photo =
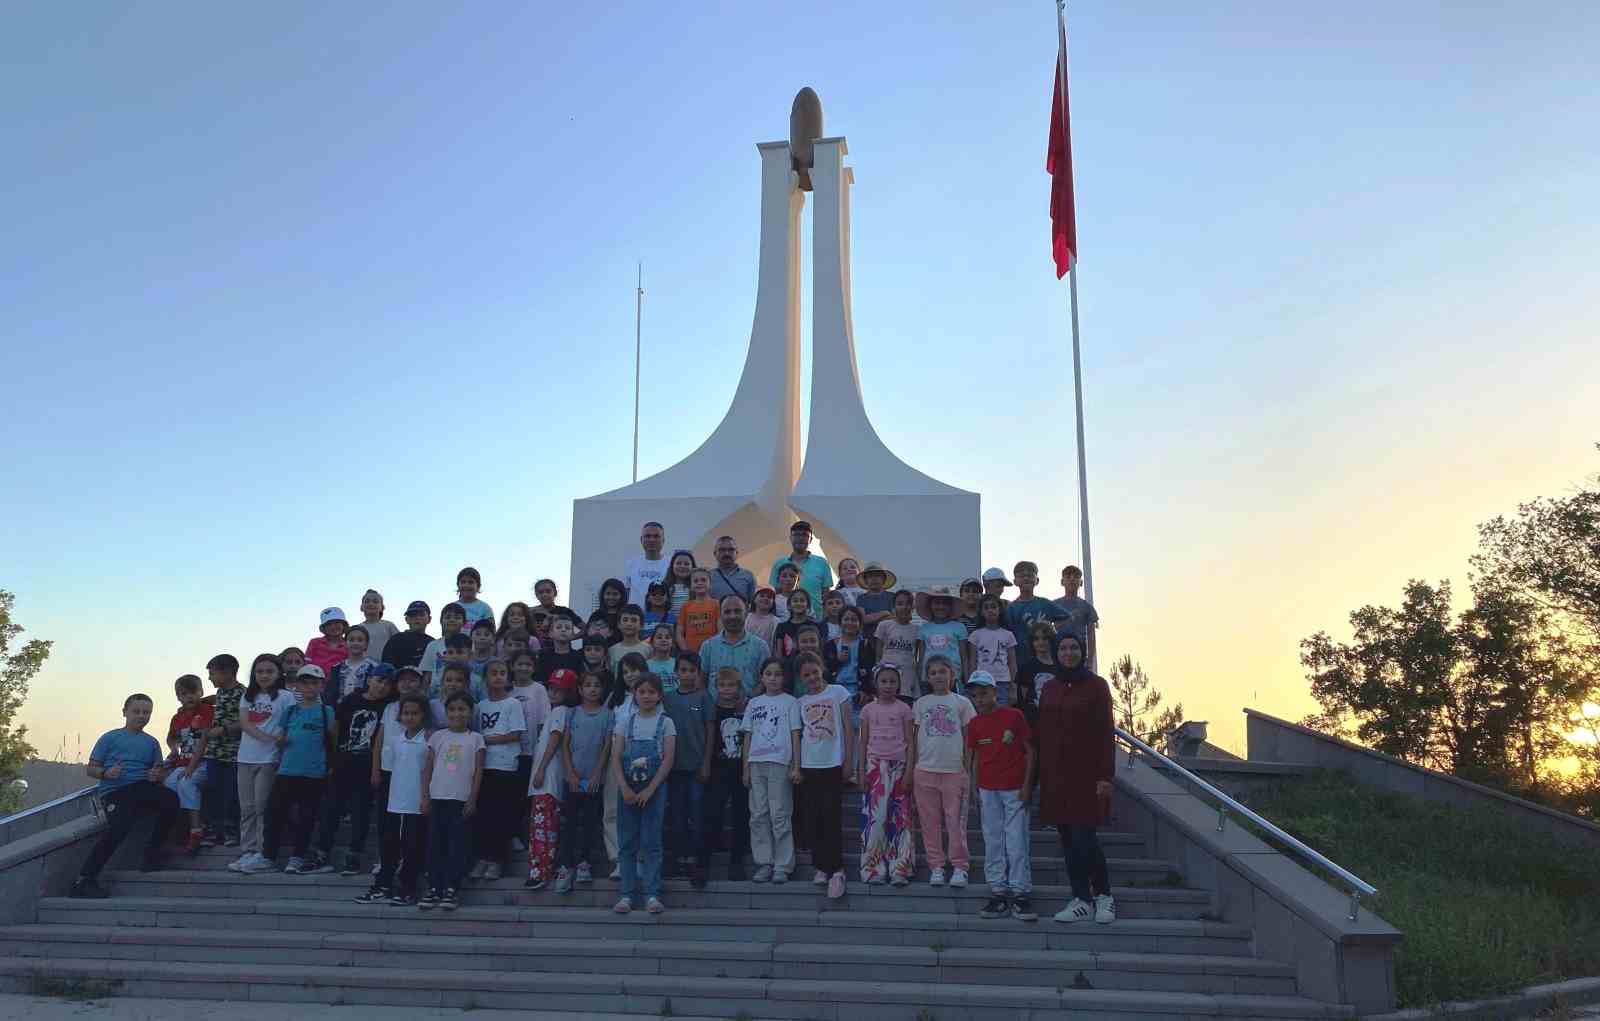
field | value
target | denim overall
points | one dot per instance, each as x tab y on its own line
639	828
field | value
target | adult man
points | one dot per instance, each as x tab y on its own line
728	578
1082	619
815	574
640	572
734	646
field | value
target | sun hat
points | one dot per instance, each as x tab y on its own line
889	577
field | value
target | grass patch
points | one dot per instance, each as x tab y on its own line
1487	906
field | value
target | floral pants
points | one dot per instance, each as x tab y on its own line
887	847
544	836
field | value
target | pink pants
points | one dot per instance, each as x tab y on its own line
941	807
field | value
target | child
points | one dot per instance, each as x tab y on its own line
327	649
546	781
379	631
849	586
455	679
501	723
1082	620
515	633
999	739
407	681
291	659
807	638
641	758
545	591
221	800
657	609
535	699
888	852
833	605
596	658
770	761
788	576
692	711
825	734
678	579
127	762
661	660
897	642
1027	607
186	749
992	648
480	652
799	615
700	616
451	620
939	780
629	670
404	826
468	583
584	758
761	621
306	741
261	712
457	652
559	653
629	621
450	783
613	597
940	637
971	593
850	658
349	675
407	647
725	794
357	716
877	603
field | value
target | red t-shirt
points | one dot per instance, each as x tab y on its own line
185	730
1000	740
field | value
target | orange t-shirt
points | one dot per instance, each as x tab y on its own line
699	618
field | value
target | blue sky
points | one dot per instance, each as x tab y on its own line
295	300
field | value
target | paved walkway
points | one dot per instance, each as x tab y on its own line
119	1008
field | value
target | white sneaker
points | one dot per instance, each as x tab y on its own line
294	866
958	878
616	872
936	877
1076	911
1105	909
819	878
259	865
243	862
492	871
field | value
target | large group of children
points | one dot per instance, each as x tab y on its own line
690	713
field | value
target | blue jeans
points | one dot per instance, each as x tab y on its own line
685	809
447	845
219	799
639	845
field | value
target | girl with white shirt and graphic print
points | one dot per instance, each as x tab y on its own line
261	713
825	734
502	725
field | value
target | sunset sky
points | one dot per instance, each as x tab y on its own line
297	300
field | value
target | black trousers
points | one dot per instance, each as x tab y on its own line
818	817
501	802
295	801
581	818
726	801
404	838
1086	861
124	808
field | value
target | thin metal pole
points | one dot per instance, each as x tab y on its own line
638	313
1077	359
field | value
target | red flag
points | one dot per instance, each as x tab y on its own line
1063	216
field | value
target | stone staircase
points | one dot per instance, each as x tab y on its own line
733	950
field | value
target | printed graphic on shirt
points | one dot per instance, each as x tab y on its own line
363	723
487	721
820	722
258	713
730	738
455	757
942	722
767	725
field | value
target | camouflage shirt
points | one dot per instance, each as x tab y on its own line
226	701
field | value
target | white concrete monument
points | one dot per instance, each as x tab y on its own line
746	479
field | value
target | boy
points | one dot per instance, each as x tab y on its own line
307	744
833	604
725	796
1027	607
407	647
186	749
379	631
327	649
220	802
1082	620
876	603
457	652
939	636
693	712
357	717
584	755
559	654
349	675
480	652
1002	749
995	584
897	643
629	620
451	620
468	582
700	616
127	762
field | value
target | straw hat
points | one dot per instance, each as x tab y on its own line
889	577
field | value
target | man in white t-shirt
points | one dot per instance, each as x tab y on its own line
639	572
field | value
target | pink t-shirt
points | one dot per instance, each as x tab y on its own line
888	737
455	756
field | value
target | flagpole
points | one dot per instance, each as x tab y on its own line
638	312
1077	358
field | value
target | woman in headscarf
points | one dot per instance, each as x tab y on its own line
1076	765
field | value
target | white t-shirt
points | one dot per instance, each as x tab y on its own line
769	720
265	712
495	718
431	664
822	728
850	593
392	732
639	574
555	777
941	722
405	782
989	645
535	710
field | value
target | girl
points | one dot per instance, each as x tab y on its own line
546	782
825	734
939	781
502	725
400	857
799	614
515	632
788	575
450	783
887	849
468	583
186	748
261	712
992	647
291	659
379	631
663	660
1036	669
594	659
1075	772
657	609
897	642
536	702
771	767
630	669
699	618
761	621
307	751
641	757
613	597
849	658
850	580
585	756
679	573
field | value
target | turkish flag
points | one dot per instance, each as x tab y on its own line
1063	217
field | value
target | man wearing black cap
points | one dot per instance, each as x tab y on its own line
407	647
815	574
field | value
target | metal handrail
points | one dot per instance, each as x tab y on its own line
87	792
1357	886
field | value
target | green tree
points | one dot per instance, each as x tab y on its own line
16	670
1136	704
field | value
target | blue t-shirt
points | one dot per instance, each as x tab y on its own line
306	754
135	753
1022	613
815	575
943	641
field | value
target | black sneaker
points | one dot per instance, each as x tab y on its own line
88	888
448	900
376	895
737	873
533	883
403	900
429	901
995	907
1022	910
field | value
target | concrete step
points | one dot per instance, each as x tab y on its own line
799	892
719	959
659	995
942	928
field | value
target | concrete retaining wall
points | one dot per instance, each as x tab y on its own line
44	864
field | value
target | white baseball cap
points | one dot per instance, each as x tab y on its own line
995	574
333	613
981	677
